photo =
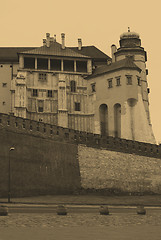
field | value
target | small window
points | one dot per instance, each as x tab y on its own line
40	106
4	84
93	86
118	82
50	93
110	83
35	93
77	106
73	86
42	76
139	81
1	66
148	90
4	103
129	80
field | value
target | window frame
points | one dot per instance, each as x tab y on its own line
77	106
110	83
129	77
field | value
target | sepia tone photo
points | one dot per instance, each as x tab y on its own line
80	138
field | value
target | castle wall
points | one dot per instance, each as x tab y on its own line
38	165
113	171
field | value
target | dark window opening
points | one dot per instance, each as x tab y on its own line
42	63
55	64
110	83
4	84
81	66
68	66
118	82
50	93
42	76
129	80
35	93
93	86
73	86
77	106
40	106
139	81
29	63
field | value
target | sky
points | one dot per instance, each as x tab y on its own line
100	23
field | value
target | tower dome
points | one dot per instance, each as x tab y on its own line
130	39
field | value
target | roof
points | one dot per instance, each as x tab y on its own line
55	49
9	54
91	51
126	63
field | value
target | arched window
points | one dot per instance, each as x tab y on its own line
103	112
73	86
117	120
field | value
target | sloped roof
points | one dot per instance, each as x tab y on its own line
9	54
55	49
91	51
126	63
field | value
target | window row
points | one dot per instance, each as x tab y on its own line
129	81
35	93
55	64
77	106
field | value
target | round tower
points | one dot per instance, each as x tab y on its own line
130	45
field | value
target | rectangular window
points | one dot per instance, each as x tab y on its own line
40	106
50	93
110	83
68	65
118	82
35	93
77	106
81	66
93	87
73	86
42	76
29	63
42	63
139	81
129	80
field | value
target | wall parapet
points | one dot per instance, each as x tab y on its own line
57	133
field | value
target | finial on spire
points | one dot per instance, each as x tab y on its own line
128	29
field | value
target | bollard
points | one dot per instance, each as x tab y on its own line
104	210
141	210
3	210
61	210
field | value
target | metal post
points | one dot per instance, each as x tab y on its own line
9	175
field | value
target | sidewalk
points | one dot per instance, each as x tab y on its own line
149	200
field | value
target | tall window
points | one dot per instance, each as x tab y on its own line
139	81
35	93
118	82
110	83
77	106
129	80
40	106
73	86
50	93
93	87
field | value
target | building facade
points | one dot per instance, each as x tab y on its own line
84	89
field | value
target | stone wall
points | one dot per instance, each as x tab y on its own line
38	165
116	172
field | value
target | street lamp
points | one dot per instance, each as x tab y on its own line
9	175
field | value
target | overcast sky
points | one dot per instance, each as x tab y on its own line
99	23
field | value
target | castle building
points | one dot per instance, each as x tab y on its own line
83	89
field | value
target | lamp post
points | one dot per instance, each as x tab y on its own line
9	175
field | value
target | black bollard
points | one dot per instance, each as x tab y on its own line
3	210
141	210
61	210
104	210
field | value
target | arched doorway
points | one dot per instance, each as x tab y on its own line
103	111
117	120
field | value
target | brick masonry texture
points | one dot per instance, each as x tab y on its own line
118	172
38	165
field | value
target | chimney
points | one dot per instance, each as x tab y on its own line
63	40
54	37
48	39
113	50
79	43
44	42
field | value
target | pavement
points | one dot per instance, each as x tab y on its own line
83	200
